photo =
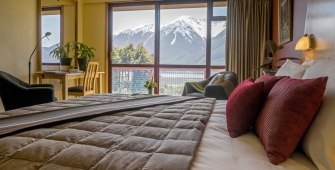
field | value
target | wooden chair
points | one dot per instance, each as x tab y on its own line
89	81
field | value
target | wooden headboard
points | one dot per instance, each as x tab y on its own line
320	22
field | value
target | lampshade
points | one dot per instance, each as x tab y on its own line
303	43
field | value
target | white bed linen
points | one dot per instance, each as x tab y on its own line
217	150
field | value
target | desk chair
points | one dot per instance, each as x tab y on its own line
90	78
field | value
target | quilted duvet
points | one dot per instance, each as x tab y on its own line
157	137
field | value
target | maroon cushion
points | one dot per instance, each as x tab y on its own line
243	106
269	82
287	112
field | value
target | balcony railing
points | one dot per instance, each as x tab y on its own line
130	80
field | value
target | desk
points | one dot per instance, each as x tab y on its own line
64	77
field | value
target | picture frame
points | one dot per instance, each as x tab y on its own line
285	21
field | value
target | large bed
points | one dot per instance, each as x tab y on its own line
119	131
112	131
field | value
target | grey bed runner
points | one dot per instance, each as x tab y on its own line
158	137
17	119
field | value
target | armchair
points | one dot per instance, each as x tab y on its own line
219	91
15	93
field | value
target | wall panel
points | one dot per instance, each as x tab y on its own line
18	37
299	8
320	22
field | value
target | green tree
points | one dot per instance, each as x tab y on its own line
127	54
116	59
131	79
142	55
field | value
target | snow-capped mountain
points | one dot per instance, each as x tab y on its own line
46	58
183	40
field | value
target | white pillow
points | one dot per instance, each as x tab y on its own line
319	142
307	62
292	69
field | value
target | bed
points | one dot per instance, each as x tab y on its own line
118	131
112	131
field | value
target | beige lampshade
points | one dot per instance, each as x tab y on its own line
303	43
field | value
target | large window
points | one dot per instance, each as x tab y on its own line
51	22
172	41
133	46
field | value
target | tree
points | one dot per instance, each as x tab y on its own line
142	55
127	54
116	59
133	79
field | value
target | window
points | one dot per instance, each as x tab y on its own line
218	44
133	47
167	40
51	22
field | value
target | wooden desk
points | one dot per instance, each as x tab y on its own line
64	77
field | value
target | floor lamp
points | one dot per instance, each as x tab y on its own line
29	64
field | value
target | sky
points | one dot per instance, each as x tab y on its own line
51	23
141	17
126	19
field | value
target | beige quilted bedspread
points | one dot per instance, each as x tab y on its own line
160	137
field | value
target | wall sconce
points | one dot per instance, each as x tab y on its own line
304	43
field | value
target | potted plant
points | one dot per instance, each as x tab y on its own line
150	84
61	52
83	53
269	65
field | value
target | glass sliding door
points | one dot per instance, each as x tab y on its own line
132	48
183	34
188	38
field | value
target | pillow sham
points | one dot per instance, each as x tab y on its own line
243	107
269	82
292	69
319	141
287	112
307	62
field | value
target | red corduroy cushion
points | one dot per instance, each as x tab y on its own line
269	82
286	114
243	106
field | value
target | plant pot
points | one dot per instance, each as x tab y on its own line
272	72
82	62
65	61
150	91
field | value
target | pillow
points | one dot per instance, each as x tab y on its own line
287	112
217	80
204	82
308	62
243	107
269	82
319	141
291	69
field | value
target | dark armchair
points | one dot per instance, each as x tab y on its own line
15	93
213	91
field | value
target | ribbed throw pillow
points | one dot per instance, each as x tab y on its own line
243	106
287	112
269	82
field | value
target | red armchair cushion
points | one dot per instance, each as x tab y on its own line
243	106
287	112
